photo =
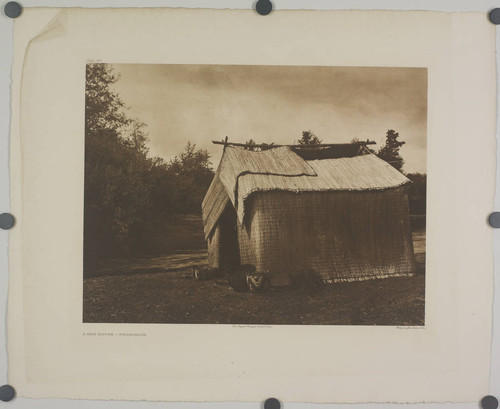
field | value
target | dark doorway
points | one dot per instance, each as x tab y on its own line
229	246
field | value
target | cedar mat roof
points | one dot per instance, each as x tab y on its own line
359	173
281	161
243	172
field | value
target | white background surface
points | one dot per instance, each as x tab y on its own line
5	61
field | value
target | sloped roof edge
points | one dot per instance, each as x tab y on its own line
242	172
236	162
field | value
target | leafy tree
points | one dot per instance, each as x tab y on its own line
417	192
193	173
104	109
253	146
191	161
309	138
116	166
131	199
390	151
250	145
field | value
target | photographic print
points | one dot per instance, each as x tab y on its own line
245	194
189	194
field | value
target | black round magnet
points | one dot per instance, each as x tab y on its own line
494	16
489	402
13	9
264	7
272	403
7	393
6	221
494	220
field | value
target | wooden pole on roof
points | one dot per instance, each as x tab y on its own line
321	145
224	142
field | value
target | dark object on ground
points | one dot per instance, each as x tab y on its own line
257	282
237	277
203	273
307	279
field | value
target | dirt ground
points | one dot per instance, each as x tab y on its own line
162	290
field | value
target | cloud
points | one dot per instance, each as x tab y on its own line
200	103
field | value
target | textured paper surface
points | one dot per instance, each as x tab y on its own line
49	356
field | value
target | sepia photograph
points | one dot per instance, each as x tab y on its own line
215	206
255	194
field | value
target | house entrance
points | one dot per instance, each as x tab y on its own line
229	246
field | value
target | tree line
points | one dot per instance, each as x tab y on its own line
127	192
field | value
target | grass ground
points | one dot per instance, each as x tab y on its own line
161	290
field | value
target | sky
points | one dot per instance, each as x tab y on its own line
201	103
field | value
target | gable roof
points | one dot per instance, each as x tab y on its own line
358	173
281	161
242	172
236	162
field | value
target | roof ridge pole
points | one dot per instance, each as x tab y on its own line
322	145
